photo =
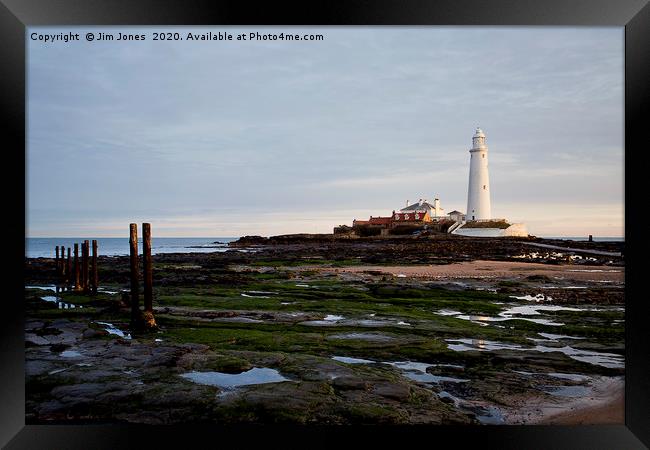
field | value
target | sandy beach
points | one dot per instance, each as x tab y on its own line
605	405
497	269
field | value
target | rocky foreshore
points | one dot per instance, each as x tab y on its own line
311	329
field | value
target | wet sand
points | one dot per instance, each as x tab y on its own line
604	405
496	269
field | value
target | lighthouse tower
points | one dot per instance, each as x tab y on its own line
478	193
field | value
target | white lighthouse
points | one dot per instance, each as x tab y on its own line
478	193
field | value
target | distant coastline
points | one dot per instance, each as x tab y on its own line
43	247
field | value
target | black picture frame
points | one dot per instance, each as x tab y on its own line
634	15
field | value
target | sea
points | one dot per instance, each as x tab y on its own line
46	247
586	238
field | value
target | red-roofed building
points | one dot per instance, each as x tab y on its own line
383	221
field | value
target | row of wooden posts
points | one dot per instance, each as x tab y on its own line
80	277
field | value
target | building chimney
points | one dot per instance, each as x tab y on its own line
407	202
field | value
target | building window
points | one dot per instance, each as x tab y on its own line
483	155
484	187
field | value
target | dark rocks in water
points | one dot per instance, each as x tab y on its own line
249	240
538	278
58	347
91	333
47	331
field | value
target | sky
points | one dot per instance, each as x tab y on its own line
232	138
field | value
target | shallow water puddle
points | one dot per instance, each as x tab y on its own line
484	320
371	323
333	318
113	330
445	394
413	370
417	371
531	310
463	345
566	391
555	337
70	354
254	295
609	360
563	376
569	376
533	298
59	303
330	319
349	360
45	287
520	312
377	337
240	319
491	416
106	291
256	375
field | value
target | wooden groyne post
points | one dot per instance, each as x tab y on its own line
148	272
68	270
57	260
93	275
63	274
85	277
82	280
136	318
77	286
149	320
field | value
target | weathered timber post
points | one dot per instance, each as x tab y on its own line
84	266
77	286
146	263
68	270
93	275
136	318
62	273
57	260
149	320
591	238
82	282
